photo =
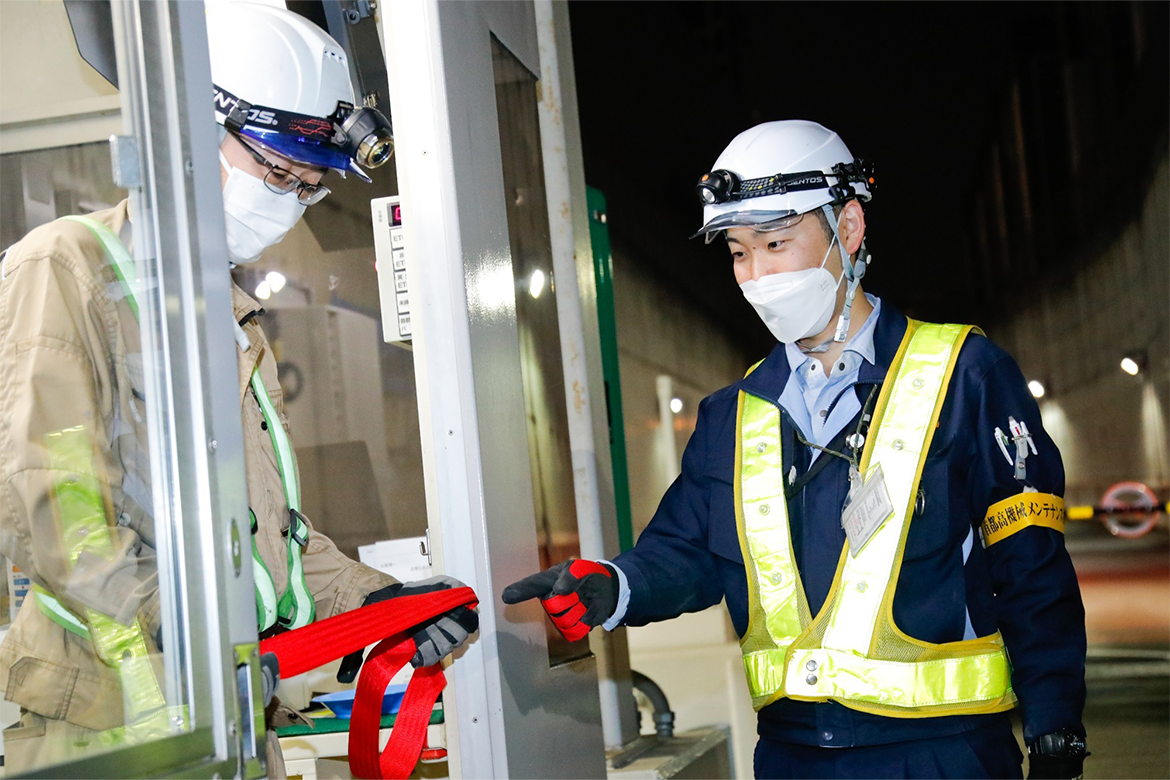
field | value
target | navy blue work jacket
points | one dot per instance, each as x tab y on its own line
689	558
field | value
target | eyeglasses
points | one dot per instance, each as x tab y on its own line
283	182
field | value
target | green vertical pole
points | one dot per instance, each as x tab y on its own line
607	328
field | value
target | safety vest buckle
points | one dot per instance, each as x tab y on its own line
298	526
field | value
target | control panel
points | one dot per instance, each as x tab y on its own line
390	251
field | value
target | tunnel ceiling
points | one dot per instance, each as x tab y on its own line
922	89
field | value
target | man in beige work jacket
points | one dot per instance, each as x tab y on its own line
71	371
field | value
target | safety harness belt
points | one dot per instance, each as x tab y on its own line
391	622
295	607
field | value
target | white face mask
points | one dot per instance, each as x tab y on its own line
795	304
255	216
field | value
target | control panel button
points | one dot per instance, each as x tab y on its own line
390	264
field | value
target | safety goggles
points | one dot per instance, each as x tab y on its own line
282	182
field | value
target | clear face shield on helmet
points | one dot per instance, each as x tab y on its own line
758	221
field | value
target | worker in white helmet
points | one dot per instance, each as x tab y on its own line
876	502
81	659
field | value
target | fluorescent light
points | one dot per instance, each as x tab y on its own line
1130	366
275	280
264	290
676	405
536	284
1036	389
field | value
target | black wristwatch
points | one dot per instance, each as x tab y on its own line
1057	755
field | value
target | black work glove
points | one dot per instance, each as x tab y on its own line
577	595
435	639
1057	756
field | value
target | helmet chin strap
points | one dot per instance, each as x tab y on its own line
853	273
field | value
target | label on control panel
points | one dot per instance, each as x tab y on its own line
393	279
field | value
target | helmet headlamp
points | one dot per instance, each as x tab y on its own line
350	135
724	186
368	137
716	187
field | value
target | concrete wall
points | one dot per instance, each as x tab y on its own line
1109	426
50	97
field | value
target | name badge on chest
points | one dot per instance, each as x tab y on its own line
866	507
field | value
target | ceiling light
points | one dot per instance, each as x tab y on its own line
536	284
1036	389
676	405
1130	366
264	290
275	280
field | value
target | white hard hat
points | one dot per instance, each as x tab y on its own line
776	171
293	82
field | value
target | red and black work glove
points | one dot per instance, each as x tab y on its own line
577	595
435	639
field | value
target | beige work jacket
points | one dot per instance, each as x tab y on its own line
70	356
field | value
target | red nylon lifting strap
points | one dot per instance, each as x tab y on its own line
390	621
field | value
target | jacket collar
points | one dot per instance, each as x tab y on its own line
887	337
242	303
771	376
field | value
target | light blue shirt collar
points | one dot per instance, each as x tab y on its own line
810	394
861	343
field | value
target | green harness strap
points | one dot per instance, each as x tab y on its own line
295	607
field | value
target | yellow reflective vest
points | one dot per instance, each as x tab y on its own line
852	652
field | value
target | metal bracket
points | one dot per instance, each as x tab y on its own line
125	161
424	547
249	730
359	9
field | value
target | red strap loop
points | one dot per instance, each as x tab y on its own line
402	751
390	621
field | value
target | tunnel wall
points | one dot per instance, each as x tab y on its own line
659	334
1109	426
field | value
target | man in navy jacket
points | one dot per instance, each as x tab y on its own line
787	197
